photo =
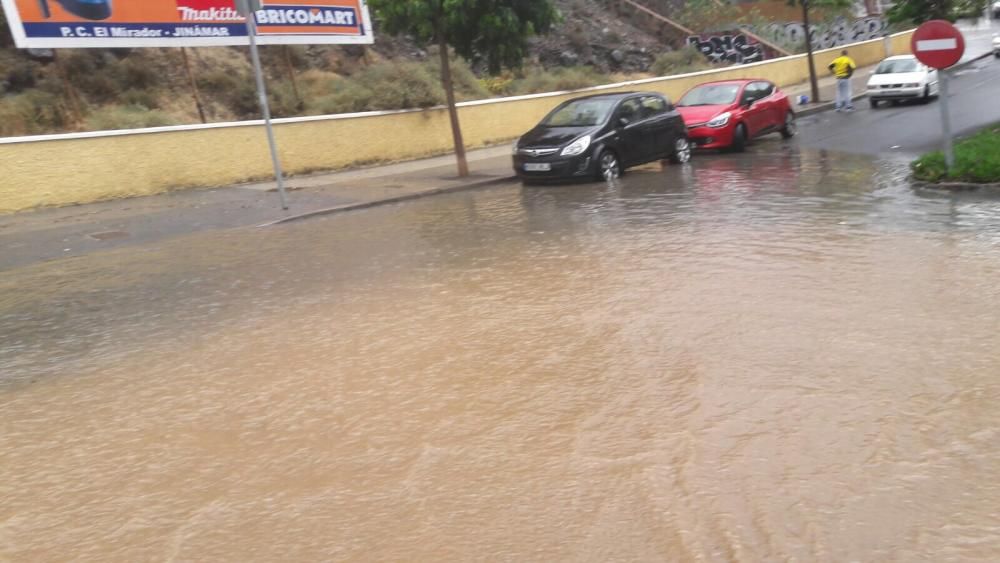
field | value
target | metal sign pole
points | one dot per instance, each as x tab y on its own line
949	149
247	8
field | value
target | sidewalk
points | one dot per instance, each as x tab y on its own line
34	236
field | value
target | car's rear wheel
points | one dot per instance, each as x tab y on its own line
739	139
608	166
790	128
682	151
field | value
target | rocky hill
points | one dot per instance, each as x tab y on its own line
43	91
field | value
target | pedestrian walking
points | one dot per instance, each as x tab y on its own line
843	68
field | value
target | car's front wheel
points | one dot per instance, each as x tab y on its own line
740	138
926	99
682	151
608	166
873	102
790	128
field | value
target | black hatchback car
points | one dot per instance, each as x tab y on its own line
600	136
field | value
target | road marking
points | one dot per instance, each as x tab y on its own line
937	44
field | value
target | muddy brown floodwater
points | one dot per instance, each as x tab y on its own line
784	356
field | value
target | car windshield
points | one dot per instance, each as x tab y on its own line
898	65
581	113
711	95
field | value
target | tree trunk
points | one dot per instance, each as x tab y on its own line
194	85
809	50
449	92
291	76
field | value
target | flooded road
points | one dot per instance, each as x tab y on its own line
783	356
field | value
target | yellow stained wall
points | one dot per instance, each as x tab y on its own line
73	169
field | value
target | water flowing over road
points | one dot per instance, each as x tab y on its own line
786	355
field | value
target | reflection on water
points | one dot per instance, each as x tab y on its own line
777	356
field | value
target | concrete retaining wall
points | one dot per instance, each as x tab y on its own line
86	167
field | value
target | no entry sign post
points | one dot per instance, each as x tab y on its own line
938	44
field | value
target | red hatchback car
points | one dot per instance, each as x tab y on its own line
728	114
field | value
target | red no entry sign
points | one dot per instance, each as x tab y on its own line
938	44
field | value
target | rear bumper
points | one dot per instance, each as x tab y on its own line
710	137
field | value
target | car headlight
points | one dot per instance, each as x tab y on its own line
513	149
720	120
577	146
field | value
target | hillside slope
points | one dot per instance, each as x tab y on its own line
43	91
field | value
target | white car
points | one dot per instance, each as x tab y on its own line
902	78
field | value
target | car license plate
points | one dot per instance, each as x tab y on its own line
537	167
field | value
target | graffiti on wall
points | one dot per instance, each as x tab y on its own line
732	48
839	32
736	48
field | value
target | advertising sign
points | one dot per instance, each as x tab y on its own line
182	23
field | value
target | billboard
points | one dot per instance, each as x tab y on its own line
182	23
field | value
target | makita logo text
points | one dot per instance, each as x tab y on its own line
307	15
209	14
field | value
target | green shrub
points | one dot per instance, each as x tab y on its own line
135	72
977	160
125	117
386	86
283	101
32	112
235	91
467	84
102	75
346	96
680	61
139	98
20	77
538	80
498	85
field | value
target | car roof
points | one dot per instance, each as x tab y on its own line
734	81
616	96
900	58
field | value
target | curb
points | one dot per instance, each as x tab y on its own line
826	106
955	186
388	200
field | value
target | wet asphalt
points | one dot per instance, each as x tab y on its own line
909	128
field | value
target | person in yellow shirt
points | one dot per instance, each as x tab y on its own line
843	68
